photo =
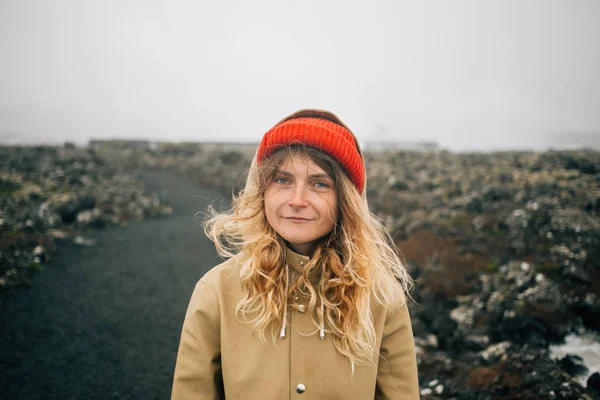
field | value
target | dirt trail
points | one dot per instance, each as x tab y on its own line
103	322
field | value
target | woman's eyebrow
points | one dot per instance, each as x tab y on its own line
312	176
319	176
282	172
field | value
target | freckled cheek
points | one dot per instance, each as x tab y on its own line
270	211
329	214
273	202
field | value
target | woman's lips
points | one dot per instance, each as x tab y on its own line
296	219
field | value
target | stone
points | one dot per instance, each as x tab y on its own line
573	365
495	351
82	241
593	382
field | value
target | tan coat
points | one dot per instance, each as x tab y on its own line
219	357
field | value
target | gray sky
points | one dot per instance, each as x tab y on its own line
472	75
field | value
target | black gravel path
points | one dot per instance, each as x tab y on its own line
103	322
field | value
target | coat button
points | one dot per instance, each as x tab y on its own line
301	308
300	388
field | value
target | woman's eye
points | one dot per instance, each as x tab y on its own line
282	181
322	185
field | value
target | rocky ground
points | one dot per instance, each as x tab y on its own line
47	193
504	247
505	250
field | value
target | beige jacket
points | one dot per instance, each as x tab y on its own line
219	356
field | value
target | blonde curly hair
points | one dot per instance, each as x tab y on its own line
356	263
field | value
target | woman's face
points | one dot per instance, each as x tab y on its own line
301	203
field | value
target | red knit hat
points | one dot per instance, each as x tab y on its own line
322	130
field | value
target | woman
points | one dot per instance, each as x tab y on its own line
311	302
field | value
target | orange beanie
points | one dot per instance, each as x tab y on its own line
322	134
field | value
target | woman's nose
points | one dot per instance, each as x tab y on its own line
298	198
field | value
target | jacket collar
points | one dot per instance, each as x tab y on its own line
296	261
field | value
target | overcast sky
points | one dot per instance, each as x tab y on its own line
468	74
